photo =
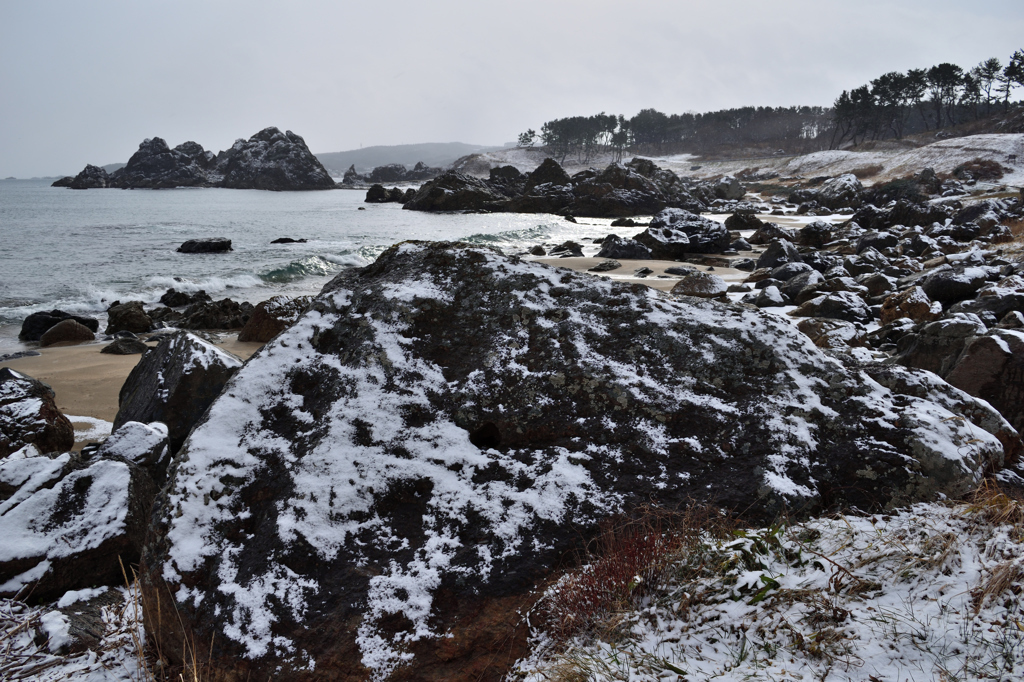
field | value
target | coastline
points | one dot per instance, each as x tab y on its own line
87	382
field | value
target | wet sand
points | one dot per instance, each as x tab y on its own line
87	382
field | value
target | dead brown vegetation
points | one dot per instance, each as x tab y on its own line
865	172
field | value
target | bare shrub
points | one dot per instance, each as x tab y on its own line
867	171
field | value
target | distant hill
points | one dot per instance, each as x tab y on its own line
438	154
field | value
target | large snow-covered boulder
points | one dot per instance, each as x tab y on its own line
379	490
174	384
275	160
29	415
992	367
64	523
675	232
844	191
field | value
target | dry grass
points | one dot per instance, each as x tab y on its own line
628	560
865	172
980	169
998	506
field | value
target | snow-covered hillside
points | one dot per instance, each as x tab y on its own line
942	155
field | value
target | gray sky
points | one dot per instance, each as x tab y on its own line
85	82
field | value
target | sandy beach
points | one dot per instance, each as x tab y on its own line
87	382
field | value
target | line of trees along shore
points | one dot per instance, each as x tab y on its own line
891	106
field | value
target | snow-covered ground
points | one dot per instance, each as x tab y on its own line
35	641
928	593
942	155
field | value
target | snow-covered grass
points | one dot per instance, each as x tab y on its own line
34	639
928	593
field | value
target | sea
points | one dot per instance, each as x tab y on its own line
79	251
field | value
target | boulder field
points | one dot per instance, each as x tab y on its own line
381	491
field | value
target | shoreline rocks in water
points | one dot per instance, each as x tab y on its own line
441	428
636	188
206	245
270	159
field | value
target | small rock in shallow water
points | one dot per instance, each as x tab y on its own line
126	347
207	245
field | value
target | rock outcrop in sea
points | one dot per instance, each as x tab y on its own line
382	489
270	159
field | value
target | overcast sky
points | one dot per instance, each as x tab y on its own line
85	82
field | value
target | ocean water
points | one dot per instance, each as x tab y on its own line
81	250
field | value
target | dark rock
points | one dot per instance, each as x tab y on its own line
352	177
740	245
389	488
738	222
912	214
872	218
125	347
675	232
206	245
642	272
222	314
876	283
271	317
392	172
37	324
793	286
912	303
505	174
63	182
626	222
815	234
288	240
69	525
615	246
770	297
145	445
834	334
567	249
769	232
66	331
91	177
960	401
729	188
841	305
548	172
454	191
29	416
130	316
779	252
156	166
174	384
538	251
605	266
844	191
877	240
173	298
700	284
272	160
867	262
991	367
1012	320
937	346
377	194
787	271
950	285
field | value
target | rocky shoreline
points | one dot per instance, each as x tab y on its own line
411	456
